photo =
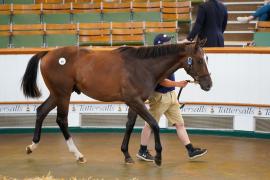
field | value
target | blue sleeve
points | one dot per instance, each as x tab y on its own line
198	24
171	77
224	24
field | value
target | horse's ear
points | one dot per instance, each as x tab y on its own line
200	42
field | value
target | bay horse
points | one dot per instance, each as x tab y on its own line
125	74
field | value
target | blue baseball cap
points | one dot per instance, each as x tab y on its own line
162	38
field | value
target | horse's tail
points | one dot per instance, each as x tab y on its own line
29	80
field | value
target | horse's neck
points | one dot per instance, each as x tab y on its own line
162	67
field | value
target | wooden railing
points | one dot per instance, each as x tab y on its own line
231	50
263	26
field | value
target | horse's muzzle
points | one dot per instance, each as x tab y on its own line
205	83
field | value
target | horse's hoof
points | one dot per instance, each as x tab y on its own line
28	150
158	162
129	160
81	160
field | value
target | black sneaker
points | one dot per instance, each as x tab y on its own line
146	156
197	152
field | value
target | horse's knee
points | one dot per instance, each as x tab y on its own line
155	128
131	120
61	122
132	115
61	115
130	126
61	119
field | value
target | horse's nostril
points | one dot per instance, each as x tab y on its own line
208	87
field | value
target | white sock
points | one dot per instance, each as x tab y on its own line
33	146
72	148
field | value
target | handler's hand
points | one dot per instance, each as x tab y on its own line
182	84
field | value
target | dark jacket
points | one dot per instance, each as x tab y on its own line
211	23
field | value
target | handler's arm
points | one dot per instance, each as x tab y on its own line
169	83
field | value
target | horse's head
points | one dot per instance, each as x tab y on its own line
195	64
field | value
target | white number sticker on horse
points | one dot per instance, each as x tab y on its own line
62	61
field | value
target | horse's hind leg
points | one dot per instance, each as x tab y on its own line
132	115
62	121
42	112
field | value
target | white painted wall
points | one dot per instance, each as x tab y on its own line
237	78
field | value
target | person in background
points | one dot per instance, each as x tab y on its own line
263	14
211	23
164	101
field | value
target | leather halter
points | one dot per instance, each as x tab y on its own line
190	62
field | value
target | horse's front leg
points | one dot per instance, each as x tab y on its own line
139	106
132	116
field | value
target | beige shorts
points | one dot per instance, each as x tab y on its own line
166	104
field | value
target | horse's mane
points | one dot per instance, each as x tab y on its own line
151	51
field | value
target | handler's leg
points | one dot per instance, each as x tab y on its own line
174	115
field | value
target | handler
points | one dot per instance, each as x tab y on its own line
164	101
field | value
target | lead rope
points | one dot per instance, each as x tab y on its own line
180	91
